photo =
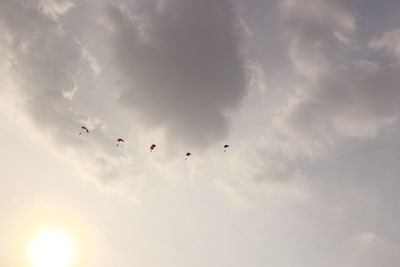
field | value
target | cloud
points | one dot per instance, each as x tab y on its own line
369	249
47	66
388	42
149	71
340	97
311	28
54	9
176	73
181	66
342	105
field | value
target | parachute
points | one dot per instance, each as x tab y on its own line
84	128
119	140
188	154
225	146
152	147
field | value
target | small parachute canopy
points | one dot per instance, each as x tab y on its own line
188	154
152	147
225	146
85	129
119	140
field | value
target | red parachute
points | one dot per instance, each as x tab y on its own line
84	128
152	147
119	140
188	154
225	146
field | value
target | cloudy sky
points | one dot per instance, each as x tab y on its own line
306	93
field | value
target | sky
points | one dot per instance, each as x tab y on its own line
306	93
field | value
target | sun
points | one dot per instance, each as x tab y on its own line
51	248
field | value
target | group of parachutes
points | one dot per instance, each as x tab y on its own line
152	147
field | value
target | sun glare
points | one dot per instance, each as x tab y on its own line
51	248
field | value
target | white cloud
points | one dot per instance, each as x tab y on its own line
341	97
351	104
55	8
389	42
309	26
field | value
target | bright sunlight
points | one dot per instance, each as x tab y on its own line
51	248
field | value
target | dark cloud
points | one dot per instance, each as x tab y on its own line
182	66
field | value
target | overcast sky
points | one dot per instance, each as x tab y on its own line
306	93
